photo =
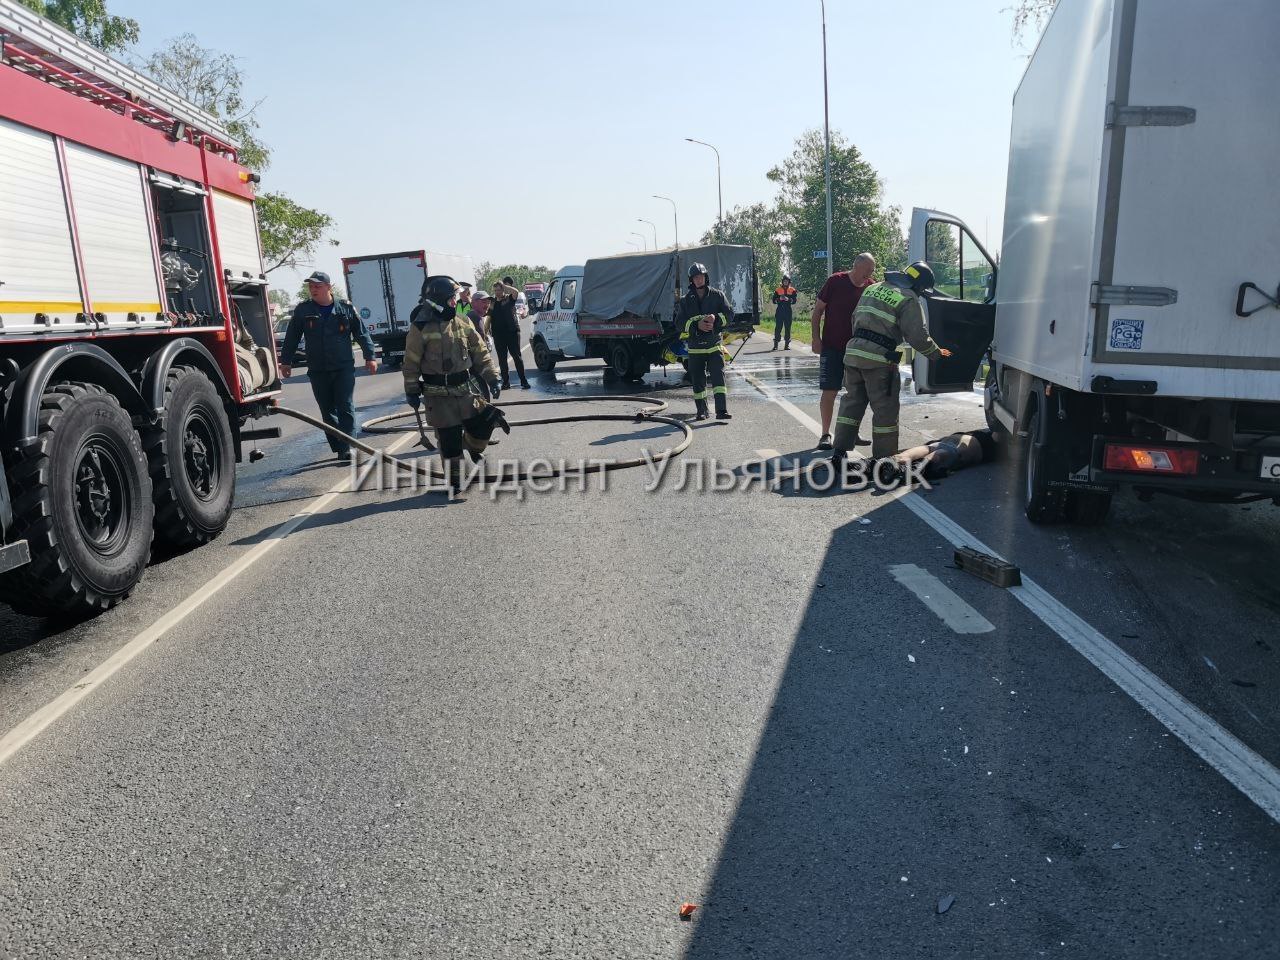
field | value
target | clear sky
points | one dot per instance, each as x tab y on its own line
537	132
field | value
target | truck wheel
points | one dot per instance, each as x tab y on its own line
82	501
1042	504
988	400
192	460
542	358
620	360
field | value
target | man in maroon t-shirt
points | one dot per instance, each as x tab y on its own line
833	329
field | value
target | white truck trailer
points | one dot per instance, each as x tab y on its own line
1134	320
385	287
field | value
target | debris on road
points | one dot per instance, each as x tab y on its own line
989	568
911	658
945	903
686	910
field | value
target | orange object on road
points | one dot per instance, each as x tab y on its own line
686	910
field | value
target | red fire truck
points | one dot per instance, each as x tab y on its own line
135	339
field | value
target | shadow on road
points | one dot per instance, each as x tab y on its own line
864	810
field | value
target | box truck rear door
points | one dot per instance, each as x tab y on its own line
960	311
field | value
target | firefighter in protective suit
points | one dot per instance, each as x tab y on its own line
704	313
888	313
442	352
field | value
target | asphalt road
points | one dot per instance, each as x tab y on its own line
535	725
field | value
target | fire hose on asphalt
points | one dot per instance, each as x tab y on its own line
650	414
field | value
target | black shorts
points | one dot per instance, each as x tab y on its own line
831	368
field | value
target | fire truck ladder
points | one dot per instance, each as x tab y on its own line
35	46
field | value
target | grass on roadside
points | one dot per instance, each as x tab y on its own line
801	330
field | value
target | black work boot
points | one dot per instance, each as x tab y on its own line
703	413
722	408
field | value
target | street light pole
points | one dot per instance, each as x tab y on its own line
826	128
655	230
719	191
644	244
674	213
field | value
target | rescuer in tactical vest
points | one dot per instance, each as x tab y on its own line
784	298
442	352
888	313
704	312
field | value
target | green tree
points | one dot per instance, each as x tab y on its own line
281	300
213	82
89	20
757	226
290	232
942	253
860	220
519	272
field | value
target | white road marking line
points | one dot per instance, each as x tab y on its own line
30	728
767	454
941	599
1246	770
783	402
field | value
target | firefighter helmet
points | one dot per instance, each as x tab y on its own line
698	268
918	277
436	294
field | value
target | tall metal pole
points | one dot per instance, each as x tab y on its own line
826	127
655	230
644	241
719	190
674	213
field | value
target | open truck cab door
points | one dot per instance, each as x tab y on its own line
961	312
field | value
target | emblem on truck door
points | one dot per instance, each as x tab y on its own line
1125	334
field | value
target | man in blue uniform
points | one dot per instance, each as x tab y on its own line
330	328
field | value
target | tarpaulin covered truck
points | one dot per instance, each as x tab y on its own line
1134	320
135	339
622	308
385	287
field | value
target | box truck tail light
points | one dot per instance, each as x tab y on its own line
1134	459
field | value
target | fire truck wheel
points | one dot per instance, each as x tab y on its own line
192	457
82	501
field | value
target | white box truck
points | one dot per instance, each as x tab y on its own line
385	287
1133	321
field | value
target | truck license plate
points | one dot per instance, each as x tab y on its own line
1271	468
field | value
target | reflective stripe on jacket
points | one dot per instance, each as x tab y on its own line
889	312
